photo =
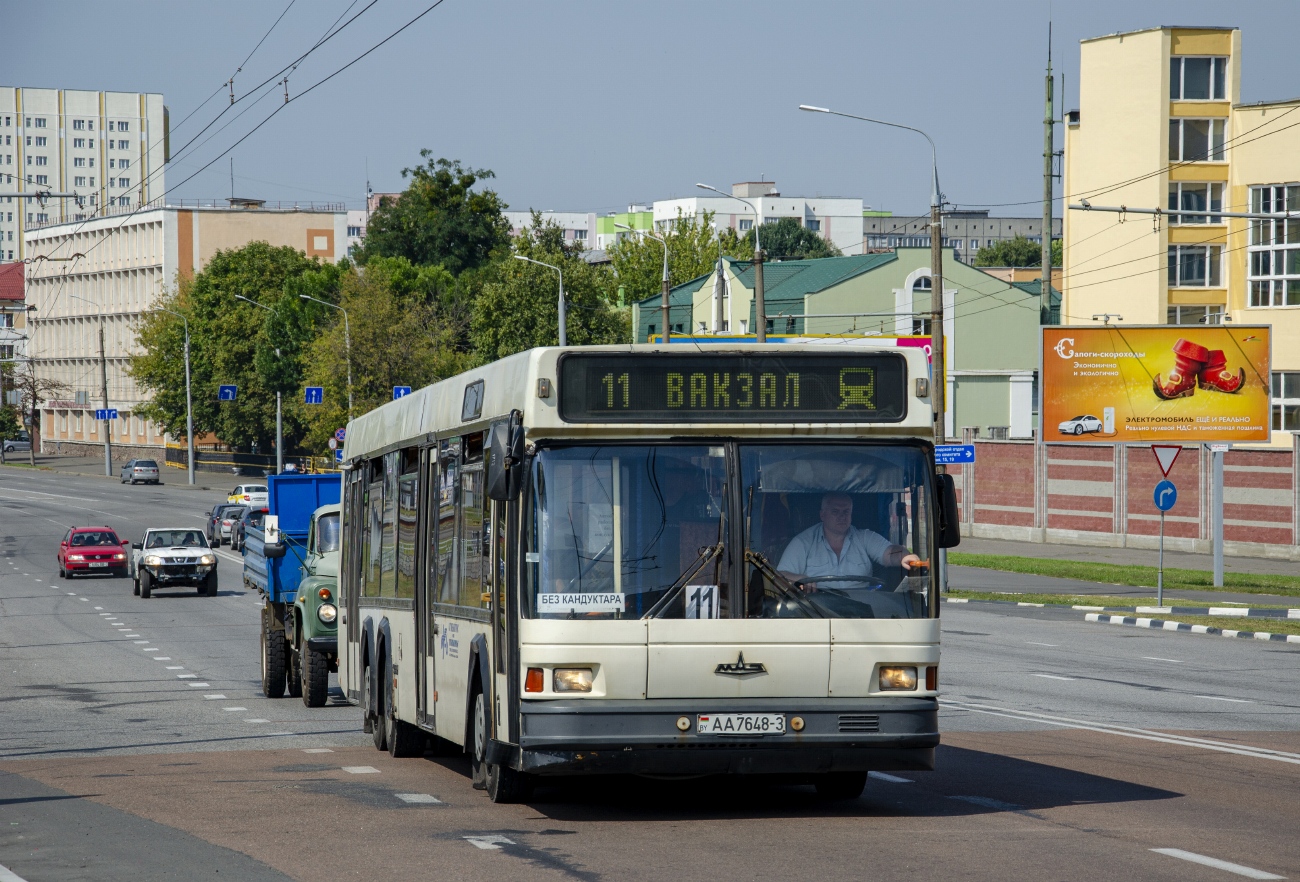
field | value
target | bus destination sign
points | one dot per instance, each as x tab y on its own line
733	388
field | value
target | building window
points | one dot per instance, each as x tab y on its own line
112	163
80	181
6	319
124	126
79	162
43	179
746	225
921	289
1286	401
79	125
354	232
1195	197
1273	271
42	160
814	225
1195	315
78	143
1196	140
122	145
38	122
1195	266
40	141
580	235
1198	79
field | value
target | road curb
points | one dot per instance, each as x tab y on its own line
1234	611
1162	625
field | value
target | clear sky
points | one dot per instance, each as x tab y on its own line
591	106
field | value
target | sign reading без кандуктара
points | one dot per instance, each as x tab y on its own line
1161	383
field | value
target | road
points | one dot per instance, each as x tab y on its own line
1071	751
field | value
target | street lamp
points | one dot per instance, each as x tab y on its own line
564	338
279	422
347	341
760	304
103	379
667	286
939	390
189	402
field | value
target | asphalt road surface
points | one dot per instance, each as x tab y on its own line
135	745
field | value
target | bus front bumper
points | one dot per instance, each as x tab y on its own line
643	738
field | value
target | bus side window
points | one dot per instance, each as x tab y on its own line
407	498
448	490
388	554
473	541
373	529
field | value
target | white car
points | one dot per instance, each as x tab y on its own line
1079	425
249	494
166	558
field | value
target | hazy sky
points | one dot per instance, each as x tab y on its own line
590	106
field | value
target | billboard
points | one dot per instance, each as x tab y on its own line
1173	383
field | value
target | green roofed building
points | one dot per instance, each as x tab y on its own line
991	326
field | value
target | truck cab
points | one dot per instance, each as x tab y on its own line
311	628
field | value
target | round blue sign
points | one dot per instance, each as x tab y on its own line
1166	494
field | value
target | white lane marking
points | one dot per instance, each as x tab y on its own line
213	697
419	798
1052	677
84	599
8	875
317	750
257	721
1154	609
361	770
1158	658
152	649
130	635
186	676
488	843
1248	872
72	594
35	580
1036	643
106	615
200	685
1280	756
892	779
100	607
159	657
1221	698
234	708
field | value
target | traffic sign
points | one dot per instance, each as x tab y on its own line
314	395
340	434
334	444
338	455
954	454
1165	456
227	393
401	392
1165	495
109	413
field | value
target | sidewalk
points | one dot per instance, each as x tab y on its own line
1183	560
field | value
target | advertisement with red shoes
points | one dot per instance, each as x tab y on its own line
1191	383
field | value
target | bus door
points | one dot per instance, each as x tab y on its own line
349	582
426	592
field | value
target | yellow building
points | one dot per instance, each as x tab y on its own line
1160	125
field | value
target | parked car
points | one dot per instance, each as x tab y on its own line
226	525
249	494
92	550
253	517
136	470
1079	425
23	442
165	558
212	529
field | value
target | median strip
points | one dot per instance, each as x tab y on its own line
1191	628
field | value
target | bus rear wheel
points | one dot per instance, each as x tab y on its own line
404	740
840	785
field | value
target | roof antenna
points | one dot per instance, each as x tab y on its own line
232	180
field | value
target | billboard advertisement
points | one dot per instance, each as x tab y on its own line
1175	383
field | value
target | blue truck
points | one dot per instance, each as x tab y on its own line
292	560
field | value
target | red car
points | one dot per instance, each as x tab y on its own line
92	550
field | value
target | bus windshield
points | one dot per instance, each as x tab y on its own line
821	531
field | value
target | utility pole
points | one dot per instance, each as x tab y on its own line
103	382
760	304
1048	155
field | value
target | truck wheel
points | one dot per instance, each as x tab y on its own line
272	661
404	740
210	584
146	585
315	676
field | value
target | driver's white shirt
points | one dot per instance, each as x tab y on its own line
809	554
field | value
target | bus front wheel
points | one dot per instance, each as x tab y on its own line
503	784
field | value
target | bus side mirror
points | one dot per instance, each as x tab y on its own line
505	465
949	521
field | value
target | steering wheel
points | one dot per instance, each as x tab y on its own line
867	583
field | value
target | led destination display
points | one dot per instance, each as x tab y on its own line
727	387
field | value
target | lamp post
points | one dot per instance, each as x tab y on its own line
666	288
939	390
760	305
189	402
347	341
103	379
564	338
279	422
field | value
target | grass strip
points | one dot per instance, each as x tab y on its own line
1229	623
1105	600
1125	574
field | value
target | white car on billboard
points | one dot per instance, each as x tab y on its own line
1079	425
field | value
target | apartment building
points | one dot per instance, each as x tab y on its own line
1160	124
578	226
108	147
128	262
836	219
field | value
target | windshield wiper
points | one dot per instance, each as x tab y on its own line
786	587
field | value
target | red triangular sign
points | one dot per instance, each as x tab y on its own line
1165	456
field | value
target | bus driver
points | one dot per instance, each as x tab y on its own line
835	547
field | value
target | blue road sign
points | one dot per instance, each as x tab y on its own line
227	393
109	413
340	434
954	454
1166	494
401	392
338	455
314	395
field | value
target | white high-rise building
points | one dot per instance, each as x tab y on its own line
107	147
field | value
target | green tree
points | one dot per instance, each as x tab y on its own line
10	424
787	239
439	219
638	261
405	331
518	308
233	342
1016	252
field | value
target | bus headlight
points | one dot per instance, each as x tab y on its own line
897	679
572	680
327	613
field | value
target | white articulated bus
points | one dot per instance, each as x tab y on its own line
651	560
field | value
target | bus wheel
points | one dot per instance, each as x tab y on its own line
504	784
367	719
478	757
378	731
273	682
404	740
840	785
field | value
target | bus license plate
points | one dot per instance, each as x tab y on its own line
740	724
99	565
